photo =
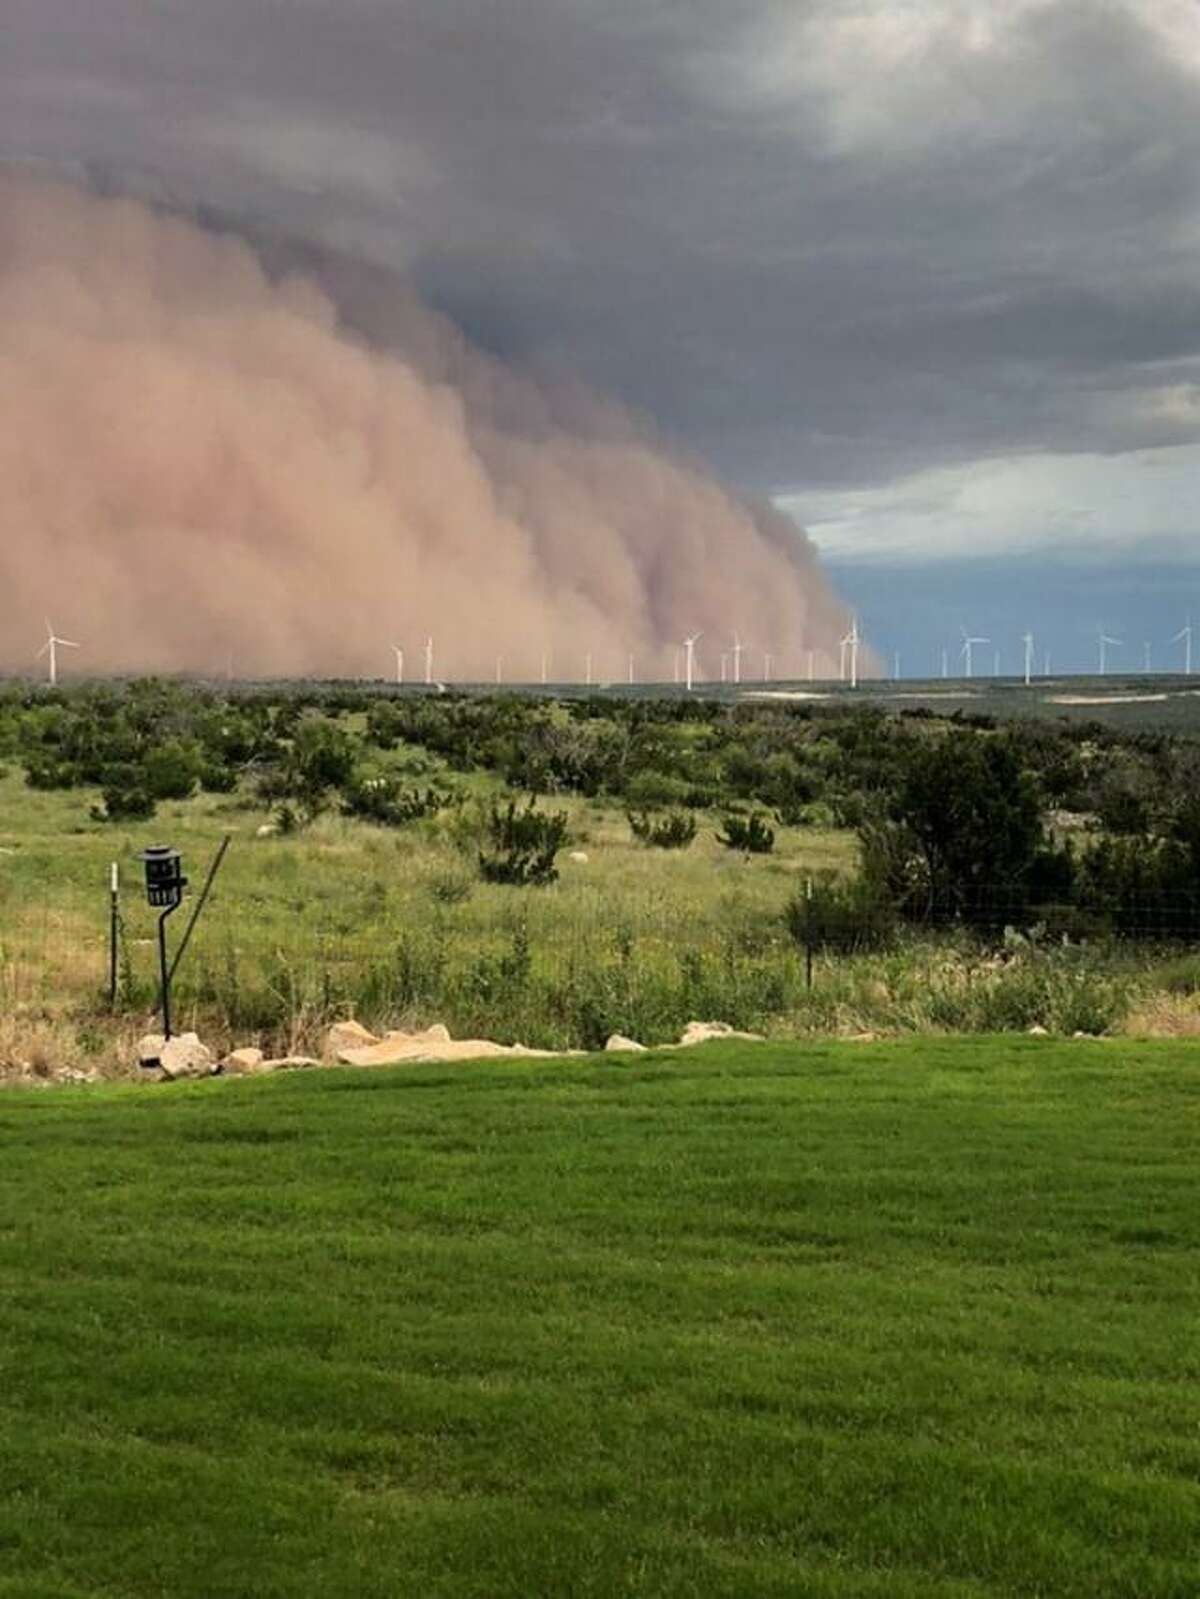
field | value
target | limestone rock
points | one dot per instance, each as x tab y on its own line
183	1055
702	1032
435	1044
579	856
1038	1031
286	1063
242	1062
149	1049
347	1035
628	1046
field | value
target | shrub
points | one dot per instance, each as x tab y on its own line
524	845
170	771
383	800
843	917
126	799
749	833
674	830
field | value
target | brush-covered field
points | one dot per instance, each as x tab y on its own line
394	927
391	925
908	1319
369	873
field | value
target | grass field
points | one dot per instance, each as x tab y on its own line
911	1319
393	926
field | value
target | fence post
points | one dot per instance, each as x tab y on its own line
114	931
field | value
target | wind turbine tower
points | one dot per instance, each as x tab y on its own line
968	645
1104	642
399	654
738	647
689	647
1027	640
429	659
52	646
850	645
1184	637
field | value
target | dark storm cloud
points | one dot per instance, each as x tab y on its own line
821	243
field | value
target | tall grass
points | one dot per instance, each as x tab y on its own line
394	927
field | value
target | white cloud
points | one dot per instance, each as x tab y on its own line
1145	501
902	76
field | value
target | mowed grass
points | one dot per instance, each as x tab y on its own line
909	1319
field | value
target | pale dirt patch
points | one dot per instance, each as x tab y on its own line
782	694
1106	699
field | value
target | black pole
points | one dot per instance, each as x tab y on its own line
164	974
199	905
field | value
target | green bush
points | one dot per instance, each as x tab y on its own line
674	830
845	918
384	800
524	845
126	799
171	771
748	833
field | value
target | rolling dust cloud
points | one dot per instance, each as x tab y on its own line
201	464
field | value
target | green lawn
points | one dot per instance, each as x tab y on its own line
912	1319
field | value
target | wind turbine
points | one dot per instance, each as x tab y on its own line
945	663
968	645
429	659
766	668
1146	655
1103	640
587	667
724	666
1184	637
399	654
851	643
52	644
738	647
1027	640
689	646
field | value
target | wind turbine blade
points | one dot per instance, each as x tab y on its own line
42	651
70	643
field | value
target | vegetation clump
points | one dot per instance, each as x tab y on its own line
670	830
751	834
524	844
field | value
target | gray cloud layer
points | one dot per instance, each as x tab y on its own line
822	241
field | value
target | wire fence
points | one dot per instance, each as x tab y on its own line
838	959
